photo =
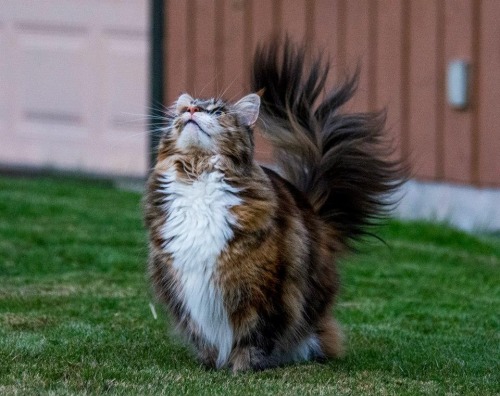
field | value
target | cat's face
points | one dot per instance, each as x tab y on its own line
214	127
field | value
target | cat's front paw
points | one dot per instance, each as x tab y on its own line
207	357
250	359
240	360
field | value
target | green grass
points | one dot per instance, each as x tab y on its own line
421	314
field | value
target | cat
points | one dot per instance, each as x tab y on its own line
243	257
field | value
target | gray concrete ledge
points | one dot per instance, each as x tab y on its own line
465	207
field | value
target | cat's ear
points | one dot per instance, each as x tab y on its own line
248	108
183	102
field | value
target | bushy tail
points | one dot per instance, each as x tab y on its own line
339	161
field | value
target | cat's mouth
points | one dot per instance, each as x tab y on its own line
197	125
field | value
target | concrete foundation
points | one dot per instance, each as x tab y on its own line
465	207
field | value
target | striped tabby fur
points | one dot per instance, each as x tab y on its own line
245	259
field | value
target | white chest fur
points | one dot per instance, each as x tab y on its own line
197	228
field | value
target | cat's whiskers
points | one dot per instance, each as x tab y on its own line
234	97
220	96
215	78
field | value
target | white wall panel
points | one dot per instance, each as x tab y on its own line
73	76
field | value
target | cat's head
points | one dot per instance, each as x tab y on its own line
213	127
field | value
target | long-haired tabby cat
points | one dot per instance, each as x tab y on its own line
245	259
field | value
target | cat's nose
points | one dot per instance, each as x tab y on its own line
193	109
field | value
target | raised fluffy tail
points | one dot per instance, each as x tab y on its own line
339	161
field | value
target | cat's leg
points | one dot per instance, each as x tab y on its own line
240	360
205	352
207	356
308	349
166	283
251	358
331	338
317	346
325	342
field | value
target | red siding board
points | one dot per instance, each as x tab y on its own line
388	71
423	82
489	90
294	19
458	124
262	21
402	47
234	74
203	49
326	36
357	51
175	53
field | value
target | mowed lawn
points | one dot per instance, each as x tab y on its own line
421	313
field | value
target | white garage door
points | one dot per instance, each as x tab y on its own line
74	84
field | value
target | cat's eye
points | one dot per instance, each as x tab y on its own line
217	111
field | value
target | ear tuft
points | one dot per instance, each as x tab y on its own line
183	102
248	109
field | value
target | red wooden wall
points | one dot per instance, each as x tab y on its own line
403	47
